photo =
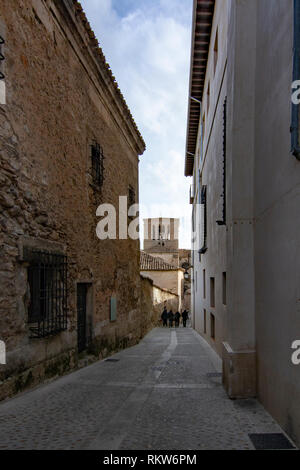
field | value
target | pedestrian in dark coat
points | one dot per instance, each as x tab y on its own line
171	318
164	317
185	316
177	319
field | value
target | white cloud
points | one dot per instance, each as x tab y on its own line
147	45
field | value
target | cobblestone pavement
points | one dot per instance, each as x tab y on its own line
163	394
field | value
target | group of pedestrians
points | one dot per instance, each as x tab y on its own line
170	318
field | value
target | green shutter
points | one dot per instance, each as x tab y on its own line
113	309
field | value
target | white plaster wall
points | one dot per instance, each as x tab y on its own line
211	169
261	249
277	215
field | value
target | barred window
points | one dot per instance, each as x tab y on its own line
97	165
47	278
131	196
131	201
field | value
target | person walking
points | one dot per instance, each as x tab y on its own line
164	317
185	316
177	319
171	318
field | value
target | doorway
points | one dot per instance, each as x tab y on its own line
82	316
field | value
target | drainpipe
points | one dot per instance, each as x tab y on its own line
296	77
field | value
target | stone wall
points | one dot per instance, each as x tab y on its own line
153	300
169	280
61	98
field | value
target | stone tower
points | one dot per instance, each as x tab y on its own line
161	239
161	234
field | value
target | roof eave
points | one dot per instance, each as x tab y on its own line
202	24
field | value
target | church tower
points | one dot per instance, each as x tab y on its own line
161	239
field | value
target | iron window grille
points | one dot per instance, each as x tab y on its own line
2	42
131	199
203	202
97	165
223	221
131	196
47	278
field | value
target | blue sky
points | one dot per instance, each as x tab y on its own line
147	44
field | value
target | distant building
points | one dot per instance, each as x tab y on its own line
163	275
245	195
161	241
161	238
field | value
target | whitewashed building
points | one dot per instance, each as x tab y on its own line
243	155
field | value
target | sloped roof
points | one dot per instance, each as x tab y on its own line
151	263
162	249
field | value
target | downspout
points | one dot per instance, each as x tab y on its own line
296	77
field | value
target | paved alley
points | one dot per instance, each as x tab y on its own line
163	394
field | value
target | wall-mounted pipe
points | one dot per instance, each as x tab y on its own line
296	77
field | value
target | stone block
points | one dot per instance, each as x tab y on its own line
239	372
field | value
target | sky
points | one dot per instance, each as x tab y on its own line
147	44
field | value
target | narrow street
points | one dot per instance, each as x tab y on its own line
163	394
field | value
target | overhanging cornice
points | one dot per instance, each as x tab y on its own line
201	32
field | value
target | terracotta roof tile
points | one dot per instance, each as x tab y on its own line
151	263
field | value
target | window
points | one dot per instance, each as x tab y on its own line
196	281
2	77
295	127
224	289
212	292
82	290
212	326
216	51
113	309
131	200
2	42
204	322
208	97
97	165
47	278
203	230
223	221
204	284
131	196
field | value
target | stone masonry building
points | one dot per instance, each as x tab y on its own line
68	143
245	195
